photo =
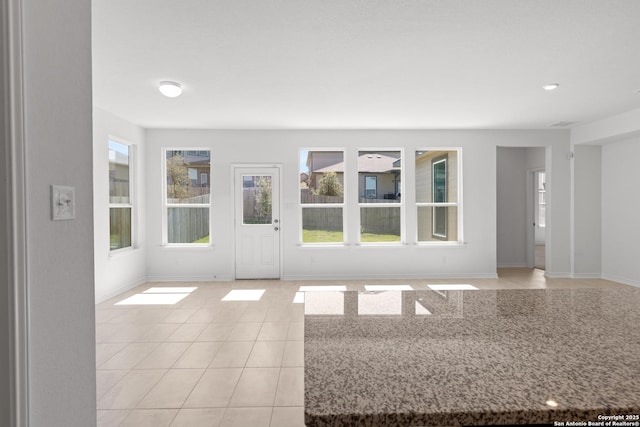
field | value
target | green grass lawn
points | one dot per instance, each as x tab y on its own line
205	239
370	237
322	236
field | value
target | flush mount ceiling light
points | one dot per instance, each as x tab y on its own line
550	86
170	89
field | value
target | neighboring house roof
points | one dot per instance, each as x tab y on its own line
371	163
194	159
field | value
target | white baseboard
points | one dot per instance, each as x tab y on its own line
189	278
557	275
122	289
622	280
391	276
587	276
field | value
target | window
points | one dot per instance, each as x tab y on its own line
120	196
186	199
437	195
379	190
322	196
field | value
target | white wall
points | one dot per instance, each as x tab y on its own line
477	257
57	84
512	207
620	211
587	212
535	158
116	272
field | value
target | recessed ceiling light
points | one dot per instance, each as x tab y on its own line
170	89
550	86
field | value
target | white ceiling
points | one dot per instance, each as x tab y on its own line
366	64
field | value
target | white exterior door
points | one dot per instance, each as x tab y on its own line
257	222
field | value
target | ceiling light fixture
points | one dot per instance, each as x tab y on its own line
550	86
170	89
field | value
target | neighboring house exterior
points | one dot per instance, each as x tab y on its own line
439	223
198	165
379	173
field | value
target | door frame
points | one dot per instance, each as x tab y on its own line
13	215
234	216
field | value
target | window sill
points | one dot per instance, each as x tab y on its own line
323	245
441	244
381	244
116	253
182	246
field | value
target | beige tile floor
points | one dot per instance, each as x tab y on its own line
208	362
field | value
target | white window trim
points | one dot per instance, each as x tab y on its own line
400	204
166	206
133	158
326	205
458	204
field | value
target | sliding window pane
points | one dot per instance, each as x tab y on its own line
321	176
119	228
188	180
437	223
188	225
119	170
322	225
380	224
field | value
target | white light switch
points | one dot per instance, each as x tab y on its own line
63	202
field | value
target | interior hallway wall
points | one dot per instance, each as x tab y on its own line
620	208
588	208
511	215
57	111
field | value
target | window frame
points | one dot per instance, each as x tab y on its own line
132	205
342	205
398	203
441	239
166	206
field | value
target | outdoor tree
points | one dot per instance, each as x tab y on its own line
177	178
329	185
263	200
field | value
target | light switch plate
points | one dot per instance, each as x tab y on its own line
63	202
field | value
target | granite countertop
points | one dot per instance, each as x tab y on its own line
476	357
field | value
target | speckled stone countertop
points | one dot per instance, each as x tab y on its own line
477	357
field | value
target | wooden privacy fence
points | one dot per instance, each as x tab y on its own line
186	225
195	200
380	220
327	219
250	214
372	220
